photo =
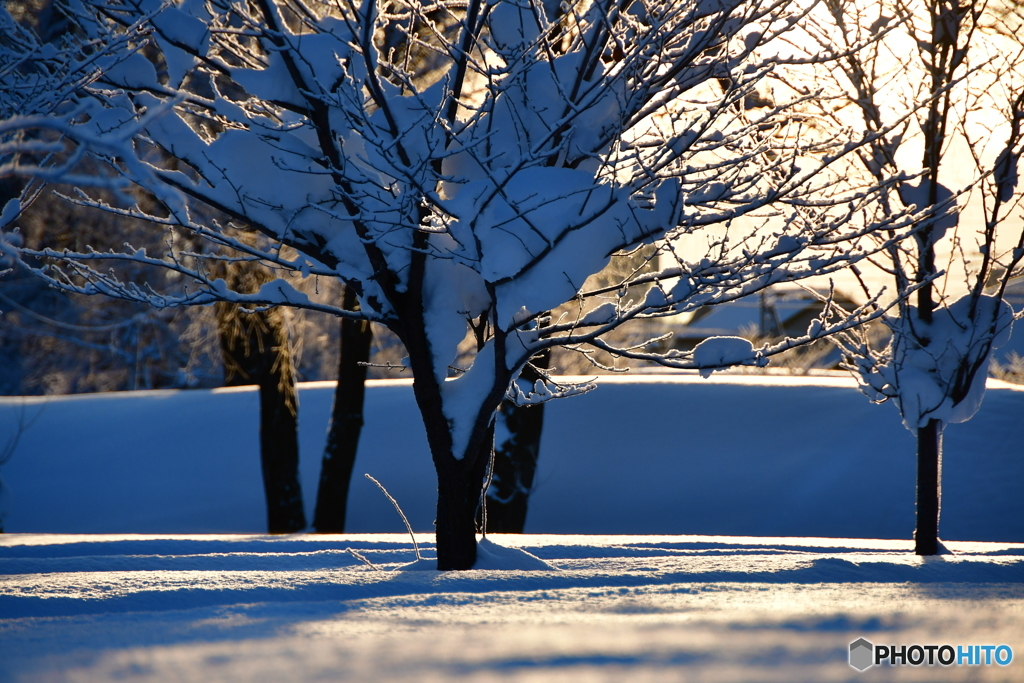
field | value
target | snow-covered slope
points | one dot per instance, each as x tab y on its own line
664	454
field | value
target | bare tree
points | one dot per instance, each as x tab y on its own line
958	68
7	452
477	203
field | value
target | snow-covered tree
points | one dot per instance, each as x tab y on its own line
547	139
953	73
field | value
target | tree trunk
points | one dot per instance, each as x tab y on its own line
929	472
256	351
346	422
460	481
459	488
460	476
515	460
279	452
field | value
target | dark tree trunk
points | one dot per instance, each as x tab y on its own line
460	475
279	453
346	422
256	351
515	460
460	480
459	488
929	473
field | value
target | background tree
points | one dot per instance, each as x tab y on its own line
54	343
513	467
952	75
257	350
346	420
481	201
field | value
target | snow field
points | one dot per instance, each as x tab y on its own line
612	608
153	568
662	454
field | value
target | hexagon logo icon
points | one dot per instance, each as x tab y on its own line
862	654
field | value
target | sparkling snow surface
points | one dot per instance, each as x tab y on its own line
613	608
784	458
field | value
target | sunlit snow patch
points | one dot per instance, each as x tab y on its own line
490	555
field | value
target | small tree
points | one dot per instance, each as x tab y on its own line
952	72
479	202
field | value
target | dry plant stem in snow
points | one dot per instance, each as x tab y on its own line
551	136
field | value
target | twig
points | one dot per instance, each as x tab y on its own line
362	558
405	519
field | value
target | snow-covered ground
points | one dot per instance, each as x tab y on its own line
612	608
749	469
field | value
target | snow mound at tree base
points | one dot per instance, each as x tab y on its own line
491	557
